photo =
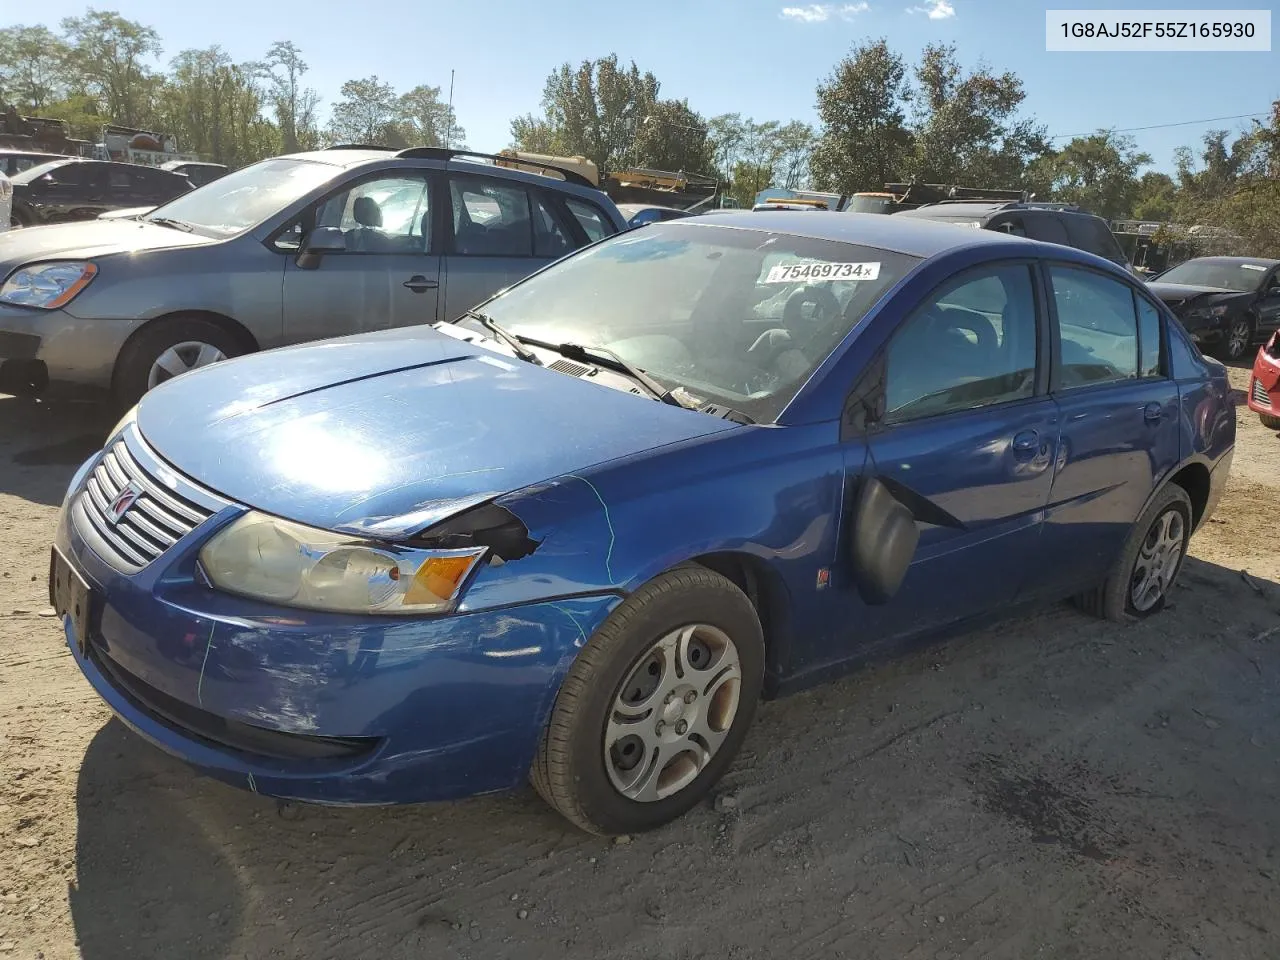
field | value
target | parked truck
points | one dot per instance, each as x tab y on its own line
130	145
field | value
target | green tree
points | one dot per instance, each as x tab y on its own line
1099	172
594	110
673	137
966	126
795	142
294	105
369	112
33	67
108	56
427	121
726	135
864	141
1156	196
214	107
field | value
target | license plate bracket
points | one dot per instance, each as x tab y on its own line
70	595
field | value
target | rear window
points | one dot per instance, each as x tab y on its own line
1093	234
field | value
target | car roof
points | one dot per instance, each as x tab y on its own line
915	237
12	152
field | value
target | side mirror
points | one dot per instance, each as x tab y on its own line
884	537
317	243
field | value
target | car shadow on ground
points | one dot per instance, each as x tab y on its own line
42	439
1052	745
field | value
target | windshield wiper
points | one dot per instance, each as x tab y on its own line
506	336
171	222
607	358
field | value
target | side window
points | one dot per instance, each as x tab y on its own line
120	179
1047	227
1093	234
1010	225
389	214
490	218
1097	327
70	175
973	344
590	218
1148	338
549	238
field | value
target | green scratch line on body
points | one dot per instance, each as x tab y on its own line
203	663
566	612
608	558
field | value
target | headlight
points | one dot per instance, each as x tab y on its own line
278	561
47	285
1204	313
127	419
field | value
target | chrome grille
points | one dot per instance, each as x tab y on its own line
164	509
1260	394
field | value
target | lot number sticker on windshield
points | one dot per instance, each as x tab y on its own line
798	272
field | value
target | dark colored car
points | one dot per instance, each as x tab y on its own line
197	171
638	214
576	534
1264	384
13	162
1050	222
1227	304
74	189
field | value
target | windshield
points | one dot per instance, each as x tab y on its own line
1225	275
31	173
240	200
737	317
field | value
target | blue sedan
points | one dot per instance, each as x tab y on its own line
578	534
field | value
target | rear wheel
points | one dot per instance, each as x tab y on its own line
1142	578
655	706
167	349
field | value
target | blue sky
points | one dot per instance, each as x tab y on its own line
761	58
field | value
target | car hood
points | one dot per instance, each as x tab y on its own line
1187	295
89	238
393	431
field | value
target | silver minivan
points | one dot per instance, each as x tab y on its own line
290	249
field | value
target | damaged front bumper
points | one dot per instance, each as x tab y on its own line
319	707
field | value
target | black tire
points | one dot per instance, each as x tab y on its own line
19	218
1225	351
1270	422
569	771
133	366
1112	599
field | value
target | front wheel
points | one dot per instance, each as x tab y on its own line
1238	339
655	707
169	348
1270	422
1139	584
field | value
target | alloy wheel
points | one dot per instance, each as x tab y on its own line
1158	560
673	712
1238	339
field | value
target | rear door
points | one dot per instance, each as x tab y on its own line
1269	303
1119	420
967	442
389	273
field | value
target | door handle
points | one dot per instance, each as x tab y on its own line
1152	412
1028	441
420	284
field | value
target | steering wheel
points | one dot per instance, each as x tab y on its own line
827	308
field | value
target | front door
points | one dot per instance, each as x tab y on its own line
1119	421
388	275
1269	306
966	442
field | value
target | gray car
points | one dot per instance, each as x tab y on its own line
295	248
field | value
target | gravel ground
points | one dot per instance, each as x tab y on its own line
1052	786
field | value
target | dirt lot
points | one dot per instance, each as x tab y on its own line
1050	787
